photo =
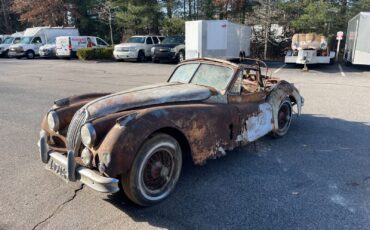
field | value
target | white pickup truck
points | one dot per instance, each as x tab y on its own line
136	48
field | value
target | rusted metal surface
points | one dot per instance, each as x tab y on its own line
205	121
150	96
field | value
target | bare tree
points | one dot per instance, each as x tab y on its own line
106	12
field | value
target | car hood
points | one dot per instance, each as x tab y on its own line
48	46
151	95
4	45
167	45
130	45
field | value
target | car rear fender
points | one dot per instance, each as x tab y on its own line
280	91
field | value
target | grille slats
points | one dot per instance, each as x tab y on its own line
73	133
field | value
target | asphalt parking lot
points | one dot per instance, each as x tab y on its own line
316	177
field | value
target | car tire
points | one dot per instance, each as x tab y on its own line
141	56
181	56
284	118
30	54
155	60
6	54
154	172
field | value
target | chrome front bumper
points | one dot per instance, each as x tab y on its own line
57	162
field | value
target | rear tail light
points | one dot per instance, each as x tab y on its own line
70	46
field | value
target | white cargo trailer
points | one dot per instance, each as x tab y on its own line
357	49
216	39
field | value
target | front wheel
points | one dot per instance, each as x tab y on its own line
284	117
141	56
30	54
154	172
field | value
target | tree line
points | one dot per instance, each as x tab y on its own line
114	20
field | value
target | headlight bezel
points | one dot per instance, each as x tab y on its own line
88	135
53	120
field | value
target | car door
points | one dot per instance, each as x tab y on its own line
255	114
101	43
37	43
148	46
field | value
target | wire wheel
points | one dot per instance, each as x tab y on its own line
155	171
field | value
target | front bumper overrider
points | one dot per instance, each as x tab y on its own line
75	172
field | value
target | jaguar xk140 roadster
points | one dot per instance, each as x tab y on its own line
135	140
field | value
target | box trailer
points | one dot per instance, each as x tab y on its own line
357	49
216	39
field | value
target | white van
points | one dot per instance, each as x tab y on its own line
67	46
13	39
49	49
34	38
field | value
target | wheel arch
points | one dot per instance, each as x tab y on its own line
178	135
280	91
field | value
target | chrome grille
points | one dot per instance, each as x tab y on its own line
73	134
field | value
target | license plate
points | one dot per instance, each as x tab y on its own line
58	168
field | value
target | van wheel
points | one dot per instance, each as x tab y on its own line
141	56
6	54
30	54
154	172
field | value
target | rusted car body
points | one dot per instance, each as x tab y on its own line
134	140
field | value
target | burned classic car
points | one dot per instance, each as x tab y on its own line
135	140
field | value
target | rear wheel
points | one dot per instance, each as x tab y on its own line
284	118
154	172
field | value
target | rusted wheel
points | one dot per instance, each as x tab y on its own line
155	171
284	118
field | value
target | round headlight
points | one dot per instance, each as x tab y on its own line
53	121
88	134
86	157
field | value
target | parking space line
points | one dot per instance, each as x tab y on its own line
281	67
341	70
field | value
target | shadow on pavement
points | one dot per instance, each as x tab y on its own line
317	177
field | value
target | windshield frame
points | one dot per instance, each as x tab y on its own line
30	38
11	39
222	91
176	37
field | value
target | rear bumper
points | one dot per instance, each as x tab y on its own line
75	173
